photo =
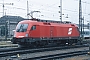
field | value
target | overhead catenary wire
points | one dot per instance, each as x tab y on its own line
65	9
52	6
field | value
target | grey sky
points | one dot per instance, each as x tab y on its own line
48	8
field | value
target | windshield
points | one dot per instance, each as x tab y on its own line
21	27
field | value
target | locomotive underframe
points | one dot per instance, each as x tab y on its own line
46	41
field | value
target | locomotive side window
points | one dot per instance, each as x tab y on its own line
33	27
21	27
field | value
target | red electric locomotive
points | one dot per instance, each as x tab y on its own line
41	32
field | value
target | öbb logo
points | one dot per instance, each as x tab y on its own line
69	31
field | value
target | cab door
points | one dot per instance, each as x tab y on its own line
51	31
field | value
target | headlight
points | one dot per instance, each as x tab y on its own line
26	35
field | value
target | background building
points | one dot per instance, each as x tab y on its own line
11	22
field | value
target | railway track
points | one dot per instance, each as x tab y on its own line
7	44
58	56
41	48
30	53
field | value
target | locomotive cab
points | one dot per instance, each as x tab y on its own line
21	31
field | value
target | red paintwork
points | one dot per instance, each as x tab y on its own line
51	30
